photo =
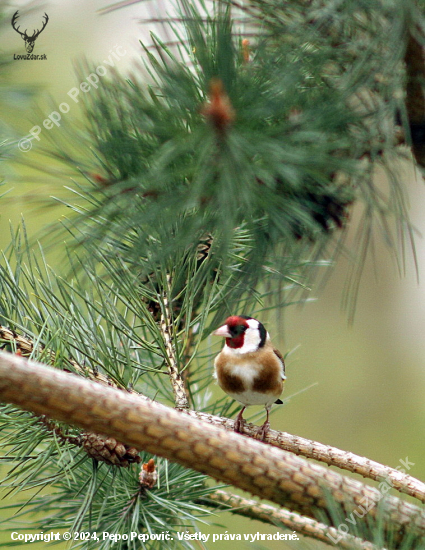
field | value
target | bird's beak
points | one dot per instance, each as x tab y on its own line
223	331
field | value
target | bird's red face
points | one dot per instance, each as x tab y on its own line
234	331
242	333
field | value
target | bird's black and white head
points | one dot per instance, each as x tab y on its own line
243	334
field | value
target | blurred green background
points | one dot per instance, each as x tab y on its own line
370	376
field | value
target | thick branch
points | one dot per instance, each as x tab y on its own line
26	347
269	473
283	518
332	456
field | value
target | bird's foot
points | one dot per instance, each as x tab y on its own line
239	424
262	431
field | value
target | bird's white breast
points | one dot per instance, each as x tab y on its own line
247	372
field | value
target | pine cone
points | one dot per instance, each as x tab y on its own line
109	450
203	249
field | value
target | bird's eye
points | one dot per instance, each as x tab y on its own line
238	330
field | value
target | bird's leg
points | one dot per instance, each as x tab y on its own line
262	431
240	421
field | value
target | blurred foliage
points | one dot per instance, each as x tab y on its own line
219	186
309	112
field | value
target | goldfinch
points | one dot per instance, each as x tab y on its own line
249	368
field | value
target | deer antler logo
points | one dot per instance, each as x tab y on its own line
29	40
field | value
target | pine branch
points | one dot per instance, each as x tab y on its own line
59	433
99	447
26	347
95	445
179	177
166	325
273	474
307	448
283	518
